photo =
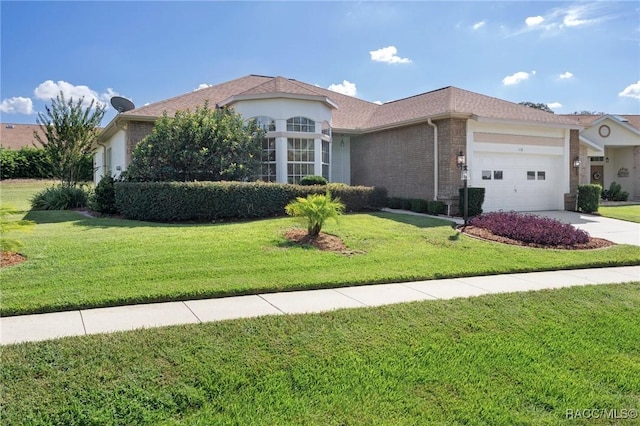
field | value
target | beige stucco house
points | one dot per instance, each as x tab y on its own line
526	159
613	148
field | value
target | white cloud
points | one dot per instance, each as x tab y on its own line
478	25
554	105
631	91
202	86
378	102
49	90
389	55
532	21
17	105
575	15
346	88
516	78
565	76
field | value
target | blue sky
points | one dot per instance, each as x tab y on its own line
572	55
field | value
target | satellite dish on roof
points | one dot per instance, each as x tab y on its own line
122	104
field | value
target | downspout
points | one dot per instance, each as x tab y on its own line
104	159
435	159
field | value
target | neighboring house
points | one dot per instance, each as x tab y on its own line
613	143
526	159
16	136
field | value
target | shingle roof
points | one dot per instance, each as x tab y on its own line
16	136
356	114
587	119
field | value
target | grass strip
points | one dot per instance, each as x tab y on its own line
521	358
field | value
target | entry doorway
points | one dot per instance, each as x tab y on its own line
597	175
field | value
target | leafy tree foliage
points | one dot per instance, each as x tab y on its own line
585	112
540	106
69	132
315	210
205	145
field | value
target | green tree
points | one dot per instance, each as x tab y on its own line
585	112
316	209
540	106
205	145
69	132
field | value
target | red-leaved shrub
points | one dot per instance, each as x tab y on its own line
530	228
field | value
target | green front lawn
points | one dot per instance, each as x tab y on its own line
75	261
630	213
18	192
522	358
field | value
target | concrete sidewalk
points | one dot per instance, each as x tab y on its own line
30	328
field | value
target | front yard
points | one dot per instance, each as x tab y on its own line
629	213
521	358
77	262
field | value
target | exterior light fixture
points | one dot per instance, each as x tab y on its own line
606	160
461	161
576	162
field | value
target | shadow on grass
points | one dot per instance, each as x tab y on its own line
78	219
414	220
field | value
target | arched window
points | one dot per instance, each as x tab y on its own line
326	128
267	124
301	124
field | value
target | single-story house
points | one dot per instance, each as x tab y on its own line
527	159
613	148
16	136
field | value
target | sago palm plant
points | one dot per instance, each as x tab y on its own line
315	210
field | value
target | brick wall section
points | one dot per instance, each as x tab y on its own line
136	131
400	160
574	151
452	138
636	174
574	175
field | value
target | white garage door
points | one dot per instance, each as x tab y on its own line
520	182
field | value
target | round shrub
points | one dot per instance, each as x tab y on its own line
530	228
104	197
313	180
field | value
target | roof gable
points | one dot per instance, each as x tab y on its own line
353	114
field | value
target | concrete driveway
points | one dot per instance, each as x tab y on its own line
617	231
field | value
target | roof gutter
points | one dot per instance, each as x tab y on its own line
435	158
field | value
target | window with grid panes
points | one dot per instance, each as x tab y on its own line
300	159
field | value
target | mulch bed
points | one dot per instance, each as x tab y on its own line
325	242
10	259
485	234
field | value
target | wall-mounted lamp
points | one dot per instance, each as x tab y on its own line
342	142
576	162
461	160
606	160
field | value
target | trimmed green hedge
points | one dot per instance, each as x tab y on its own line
476	199
34	163
417	205
589	198
208	201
